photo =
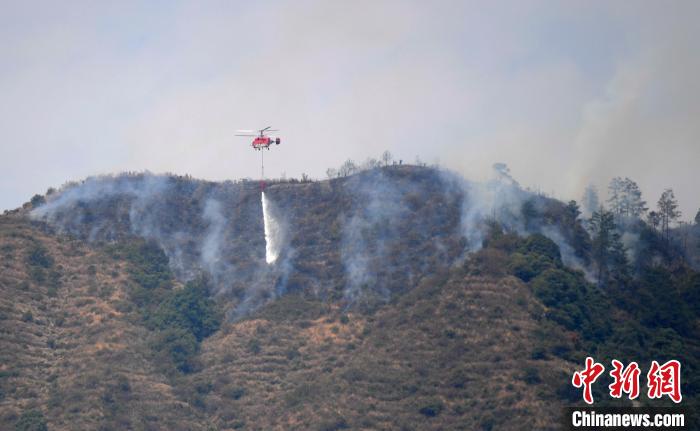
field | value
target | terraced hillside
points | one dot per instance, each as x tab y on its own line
75	347
72	345
146	304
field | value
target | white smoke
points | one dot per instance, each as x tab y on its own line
210	253
496	200
368	232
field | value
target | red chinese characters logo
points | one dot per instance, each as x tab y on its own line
661	380
665	380
587	377
624	380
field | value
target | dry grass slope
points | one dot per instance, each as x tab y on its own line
453	353
75	350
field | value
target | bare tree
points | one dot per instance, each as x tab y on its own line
371	163
348	168
331	173
386	157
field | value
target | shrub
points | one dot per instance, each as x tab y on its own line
528	266
179	346
540	244
254	346
189	309
489	261
531	376
123	383
32	420
334	424
234	392
37	274
556	287
39	256
149	265
431	409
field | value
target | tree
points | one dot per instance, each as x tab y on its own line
615	195
386	157
348	168
590	200
529	212
37	200
697	217
503	173
653	219
609	254
625	198
634	205
668	211
573	211
371	163
189	308
331	173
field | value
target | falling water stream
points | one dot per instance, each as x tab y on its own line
272	234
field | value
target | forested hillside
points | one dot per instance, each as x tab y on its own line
403	297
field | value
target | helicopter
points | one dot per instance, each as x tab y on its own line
261	139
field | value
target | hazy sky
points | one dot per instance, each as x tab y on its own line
565	93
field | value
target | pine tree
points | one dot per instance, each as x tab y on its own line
668	211
615	190
609	255
626	198
653	219
633	203
573	211
590	200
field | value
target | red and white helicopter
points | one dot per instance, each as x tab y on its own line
261	139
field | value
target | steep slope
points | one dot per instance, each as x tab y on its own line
71	344
447	354
403	298
454	353
360	238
